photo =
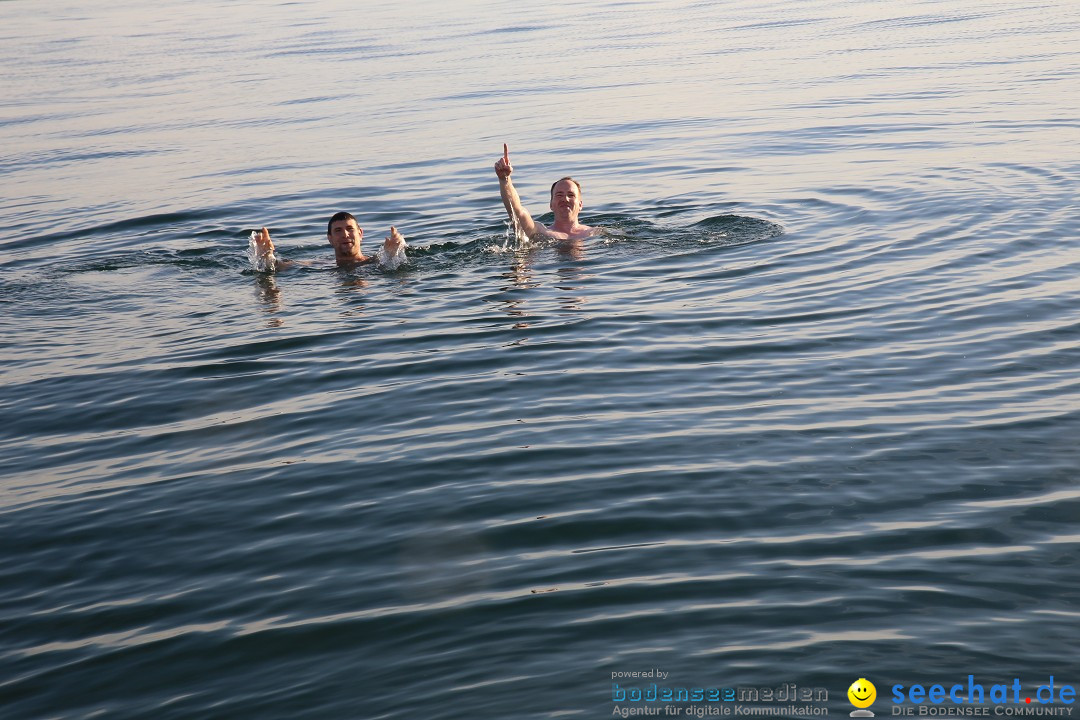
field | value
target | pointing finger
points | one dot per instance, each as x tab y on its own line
506	155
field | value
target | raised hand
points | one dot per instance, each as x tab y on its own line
263	243
502	165
393	243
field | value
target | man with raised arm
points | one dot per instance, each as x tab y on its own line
565	203
345	236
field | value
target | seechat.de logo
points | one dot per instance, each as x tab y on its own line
862	695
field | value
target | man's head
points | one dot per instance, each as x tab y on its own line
345	235
566	198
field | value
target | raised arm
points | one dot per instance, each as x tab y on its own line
392	253
262	254
514	209
394	242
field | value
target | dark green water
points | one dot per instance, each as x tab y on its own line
813	419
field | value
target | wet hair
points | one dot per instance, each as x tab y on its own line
560	180
338	217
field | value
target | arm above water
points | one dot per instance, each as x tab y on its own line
262	255
514	209
392	253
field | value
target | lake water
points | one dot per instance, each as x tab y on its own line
814	419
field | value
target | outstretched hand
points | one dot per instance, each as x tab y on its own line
263	243
393	243
502	165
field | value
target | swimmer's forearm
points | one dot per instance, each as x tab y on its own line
280	264
514	208
506	190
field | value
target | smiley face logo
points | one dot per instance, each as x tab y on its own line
862	693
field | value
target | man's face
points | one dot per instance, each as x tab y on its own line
345	236
566	200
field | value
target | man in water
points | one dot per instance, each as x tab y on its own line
565	203
343	233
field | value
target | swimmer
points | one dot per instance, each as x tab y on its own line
565	203
345	236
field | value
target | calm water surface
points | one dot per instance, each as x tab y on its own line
814	419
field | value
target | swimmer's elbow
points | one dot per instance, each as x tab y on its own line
531	228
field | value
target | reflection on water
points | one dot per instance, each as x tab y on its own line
571	249
520	278
269	295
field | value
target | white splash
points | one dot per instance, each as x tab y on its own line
260	263
391	262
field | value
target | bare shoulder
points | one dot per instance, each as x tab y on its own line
580	233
